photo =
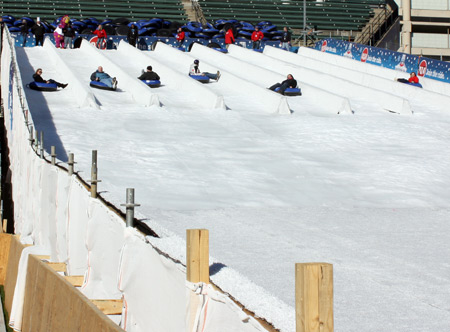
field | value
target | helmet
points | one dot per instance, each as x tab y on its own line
196	61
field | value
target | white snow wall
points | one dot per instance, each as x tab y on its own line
55	211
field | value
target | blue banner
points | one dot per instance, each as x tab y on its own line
424	67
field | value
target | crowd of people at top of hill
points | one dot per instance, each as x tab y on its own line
65	33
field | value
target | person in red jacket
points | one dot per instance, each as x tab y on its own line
257	36
101	36
412	79
229	37
180	36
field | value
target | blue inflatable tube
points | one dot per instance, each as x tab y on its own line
416	84
291	91
43	86
100	85
152	83
194	27
200	78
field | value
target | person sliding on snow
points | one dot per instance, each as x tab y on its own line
101	76
195	70
289	83
38	78
149	75
412	79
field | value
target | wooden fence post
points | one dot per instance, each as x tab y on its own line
197	255
314	297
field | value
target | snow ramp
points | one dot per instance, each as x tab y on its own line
139	90
411	93
427	83
192	92
85	98
358	95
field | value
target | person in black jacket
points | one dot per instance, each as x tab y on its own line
38	30
285	41
38	78
69	34
24	32
149	75
289	83
132	35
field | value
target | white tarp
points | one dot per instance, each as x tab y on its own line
56	213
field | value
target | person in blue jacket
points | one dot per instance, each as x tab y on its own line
100	76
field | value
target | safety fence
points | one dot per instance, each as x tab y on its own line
58	218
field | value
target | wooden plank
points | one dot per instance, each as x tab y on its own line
53	304
76	281
43	257
314	297
5	243
15	251
58	267
5	225
197	255
109	307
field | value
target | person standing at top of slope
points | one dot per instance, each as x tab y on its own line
38	78
257	36
38	30
100	76
132	35
24	32
195	70
412	79
229	37
149	75
290	82
285	41
101	36
180	36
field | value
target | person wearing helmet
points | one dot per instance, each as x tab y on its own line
195	70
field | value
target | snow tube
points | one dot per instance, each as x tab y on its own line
245	34
291	91
415	84
202	35
43	86
14	29
194	27
152	83
100	85
247	26
200	78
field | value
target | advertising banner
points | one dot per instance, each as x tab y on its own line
424	67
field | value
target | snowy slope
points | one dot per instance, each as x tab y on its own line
366	192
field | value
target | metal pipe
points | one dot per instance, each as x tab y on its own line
71	163
130	205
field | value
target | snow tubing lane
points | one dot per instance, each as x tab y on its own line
291	91
101	86
152	83
43	86
200	78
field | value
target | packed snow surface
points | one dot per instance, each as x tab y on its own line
367	192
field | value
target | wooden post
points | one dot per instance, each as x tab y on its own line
197	255
314	297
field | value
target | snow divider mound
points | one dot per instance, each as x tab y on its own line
272	102
332	82
427	83
205	95
140	91
365	79
263	78
85	97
